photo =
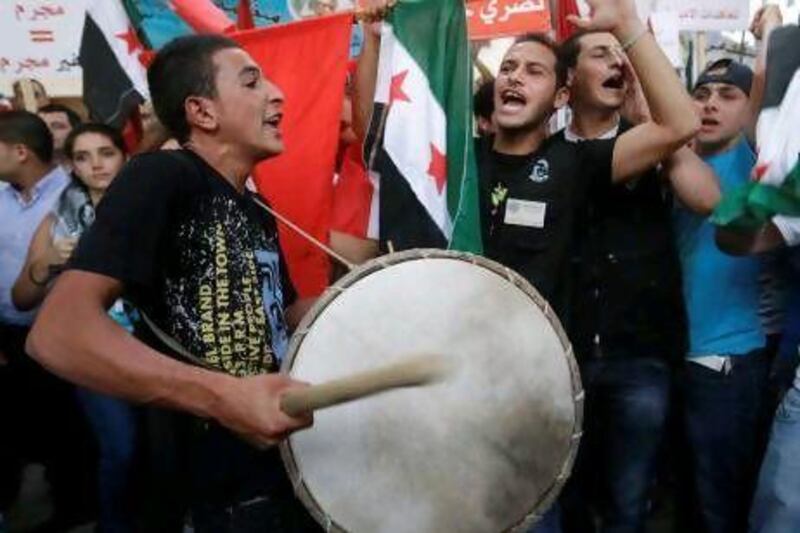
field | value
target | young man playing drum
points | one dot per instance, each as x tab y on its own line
179	236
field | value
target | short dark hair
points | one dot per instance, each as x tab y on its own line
24	127
184	68
73	118
544	40
570	49
483	101
112	133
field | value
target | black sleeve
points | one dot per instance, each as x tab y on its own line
126	240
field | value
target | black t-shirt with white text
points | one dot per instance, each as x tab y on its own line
200	260
532	206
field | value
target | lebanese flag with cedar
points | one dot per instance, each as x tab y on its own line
308	61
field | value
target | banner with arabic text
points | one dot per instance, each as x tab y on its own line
42	39
489	19
701	15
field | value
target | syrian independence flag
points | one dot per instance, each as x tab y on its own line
308	61
775	189
114	80
420	144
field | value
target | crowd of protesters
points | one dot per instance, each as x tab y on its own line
686	335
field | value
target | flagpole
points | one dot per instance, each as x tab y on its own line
700	54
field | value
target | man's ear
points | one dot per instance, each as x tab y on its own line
22	153
201	113
562	97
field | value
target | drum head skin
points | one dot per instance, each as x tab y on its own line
485	450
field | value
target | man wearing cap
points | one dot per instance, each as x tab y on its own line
726	367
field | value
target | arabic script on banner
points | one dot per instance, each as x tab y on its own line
45	37
701	15
488	19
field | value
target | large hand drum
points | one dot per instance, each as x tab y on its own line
485	450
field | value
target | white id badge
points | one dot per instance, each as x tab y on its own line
525	213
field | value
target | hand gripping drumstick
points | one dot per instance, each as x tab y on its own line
410	373
413	372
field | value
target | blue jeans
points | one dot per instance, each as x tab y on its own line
626	407
550	521
114	425
725	420
776	505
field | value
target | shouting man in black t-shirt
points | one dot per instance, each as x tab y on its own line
534	187
178	235
626	313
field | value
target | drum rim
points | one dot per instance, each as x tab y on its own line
334	290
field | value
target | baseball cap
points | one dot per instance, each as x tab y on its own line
727	71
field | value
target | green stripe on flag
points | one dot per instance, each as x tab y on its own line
137	20
753	204
435	34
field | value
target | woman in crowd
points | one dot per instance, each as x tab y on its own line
97	153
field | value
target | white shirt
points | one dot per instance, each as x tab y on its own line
571	136
789	228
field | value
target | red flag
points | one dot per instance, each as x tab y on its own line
132	132
244	16
308	61
203	16
352	195
563	27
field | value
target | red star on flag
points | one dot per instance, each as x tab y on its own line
131	39
396	90
759	171
438	168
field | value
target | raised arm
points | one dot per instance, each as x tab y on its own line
74	338
370	13
674	121
765	20
694	182
365	80
32	284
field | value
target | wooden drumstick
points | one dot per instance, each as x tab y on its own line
410	373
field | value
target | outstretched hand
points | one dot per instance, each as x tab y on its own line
607	15
372	11
765	19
